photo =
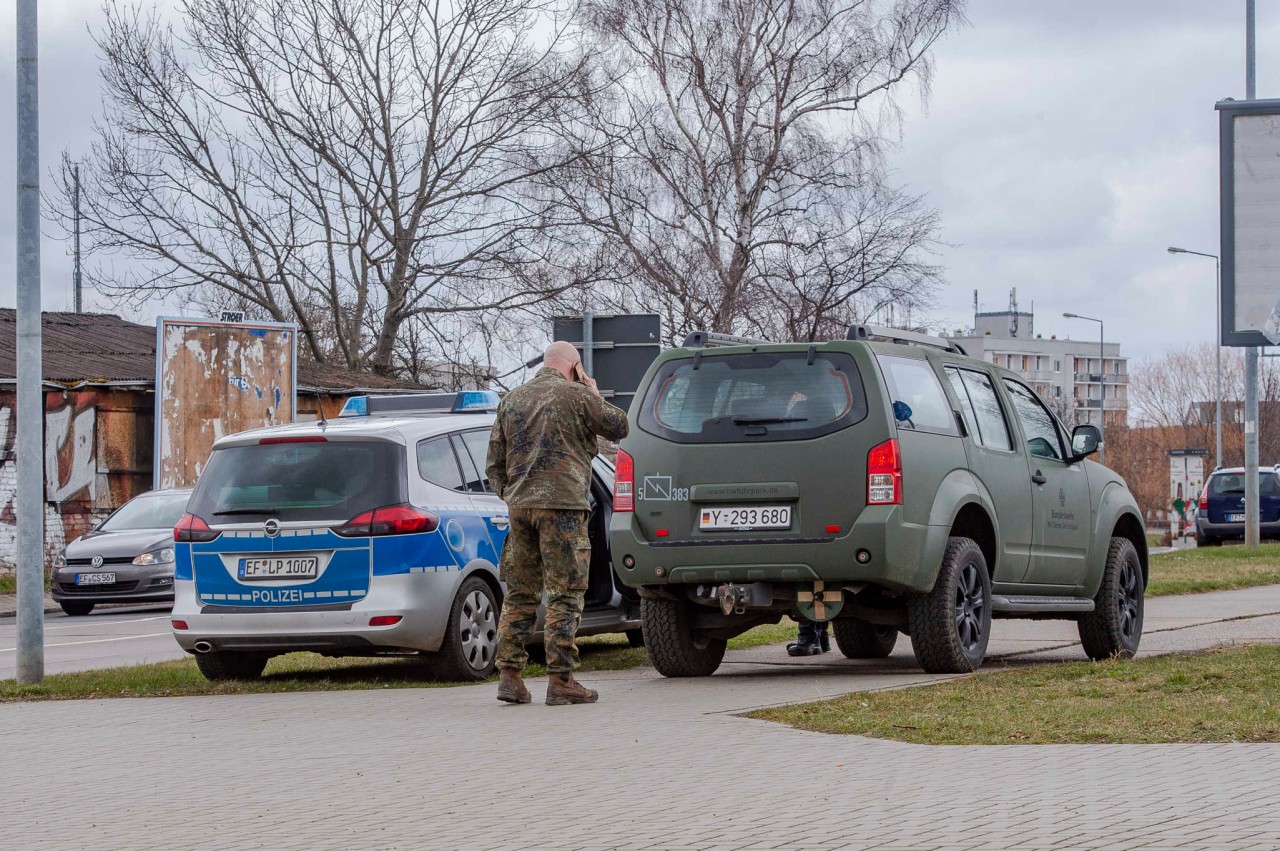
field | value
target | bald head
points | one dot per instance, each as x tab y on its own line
561	356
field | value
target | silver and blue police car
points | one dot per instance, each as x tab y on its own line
372	534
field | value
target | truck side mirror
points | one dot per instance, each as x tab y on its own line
1085	440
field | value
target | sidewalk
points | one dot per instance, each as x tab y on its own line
658	763
9	605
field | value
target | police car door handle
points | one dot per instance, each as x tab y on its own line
500	520
1039	478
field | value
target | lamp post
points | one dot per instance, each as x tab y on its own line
1102	379
1217	418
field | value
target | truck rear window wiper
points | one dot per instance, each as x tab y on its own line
246	511
768	420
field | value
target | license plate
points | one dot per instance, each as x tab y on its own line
279	567
745	518
95	578
1235	518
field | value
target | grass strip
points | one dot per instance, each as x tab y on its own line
312	672
1195	571
1223	695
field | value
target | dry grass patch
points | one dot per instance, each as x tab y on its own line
1224	695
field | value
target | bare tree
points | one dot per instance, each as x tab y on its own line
729	158
355	166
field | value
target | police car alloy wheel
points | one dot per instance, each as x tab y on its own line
470	645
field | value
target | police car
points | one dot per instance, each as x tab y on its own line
373	534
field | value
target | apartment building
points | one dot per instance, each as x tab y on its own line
1081	383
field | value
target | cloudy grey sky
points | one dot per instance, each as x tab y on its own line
1066	144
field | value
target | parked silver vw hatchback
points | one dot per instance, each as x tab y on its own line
126	559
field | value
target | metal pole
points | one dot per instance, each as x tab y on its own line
75	204
588	342
1251	536
1217	417
30	494
1102	392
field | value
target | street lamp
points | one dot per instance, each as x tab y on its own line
1102	378
1217	459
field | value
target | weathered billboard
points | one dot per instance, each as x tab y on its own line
217	378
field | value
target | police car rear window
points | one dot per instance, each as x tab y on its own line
330	481
761	396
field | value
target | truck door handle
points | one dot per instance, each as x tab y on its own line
500	521
1039	478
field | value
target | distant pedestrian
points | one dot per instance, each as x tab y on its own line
540	453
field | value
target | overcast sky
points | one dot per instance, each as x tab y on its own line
1066	145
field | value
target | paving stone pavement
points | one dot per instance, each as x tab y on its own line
657	764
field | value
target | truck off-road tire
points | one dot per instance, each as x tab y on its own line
231	664
1114	627
858	639
76	608
469	650
673	648
951	625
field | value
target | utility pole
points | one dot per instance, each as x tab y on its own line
29	501
1251	531
75	205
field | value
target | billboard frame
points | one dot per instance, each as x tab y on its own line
156	466
1228	111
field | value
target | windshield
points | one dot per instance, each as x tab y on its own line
161	511
329	481
758	396
1233	483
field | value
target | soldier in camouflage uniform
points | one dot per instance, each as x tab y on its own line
540	455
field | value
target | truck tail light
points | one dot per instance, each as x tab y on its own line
624	482
193	530
884	474
389	520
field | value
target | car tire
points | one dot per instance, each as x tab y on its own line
231	664
858	639
673	648
951	625
1114	628
635	638
76	608
470	647
1206	541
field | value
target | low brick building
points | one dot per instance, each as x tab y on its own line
99	415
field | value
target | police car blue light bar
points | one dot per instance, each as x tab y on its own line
464	402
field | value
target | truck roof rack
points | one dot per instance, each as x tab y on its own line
710	339
898	335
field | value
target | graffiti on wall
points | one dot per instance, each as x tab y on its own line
70	456
54	529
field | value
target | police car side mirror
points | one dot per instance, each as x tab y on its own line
1085	440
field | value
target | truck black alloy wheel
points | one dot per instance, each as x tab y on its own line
951	625
231	665
1114	627
858	639
673	648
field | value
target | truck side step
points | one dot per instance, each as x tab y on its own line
1021	605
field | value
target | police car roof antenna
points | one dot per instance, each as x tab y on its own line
324	421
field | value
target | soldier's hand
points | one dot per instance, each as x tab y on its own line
591	382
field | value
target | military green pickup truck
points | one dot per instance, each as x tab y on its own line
887	483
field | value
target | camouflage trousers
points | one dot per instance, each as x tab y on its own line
545	548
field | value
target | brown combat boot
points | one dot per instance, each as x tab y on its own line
563	689
511	687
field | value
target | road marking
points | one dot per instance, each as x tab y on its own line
84	624
93	641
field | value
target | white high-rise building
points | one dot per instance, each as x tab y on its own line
1073	376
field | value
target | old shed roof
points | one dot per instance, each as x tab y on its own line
101	348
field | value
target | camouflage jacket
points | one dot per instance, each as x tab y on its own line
542	443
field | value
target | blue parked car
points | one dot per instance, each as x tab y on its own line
1221	514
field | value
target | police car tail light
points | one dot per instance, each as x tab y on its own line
624	482
884	474
193	530
389	520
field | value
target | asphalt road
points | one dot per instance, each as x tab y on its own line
104	639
